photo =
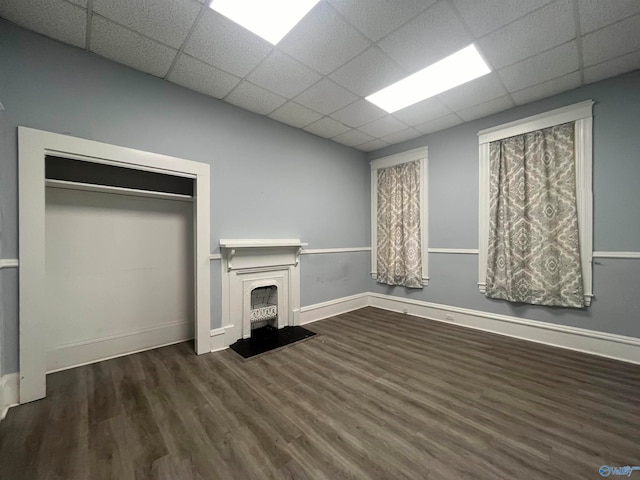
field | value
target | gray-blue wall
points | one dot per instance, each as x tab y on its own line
319	190
453	210
268	180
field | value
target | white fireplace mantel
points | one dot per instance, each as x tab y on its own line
258	243
253	247
251	263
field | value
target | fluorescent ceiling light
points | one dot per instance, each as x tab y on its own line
269	19
461	67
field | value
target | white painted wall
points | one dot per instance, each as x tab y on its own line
119	274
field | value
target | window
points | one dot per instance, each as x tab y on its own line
396	265
581	116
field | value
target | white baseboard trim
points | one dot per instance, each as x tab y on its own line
8	393
63	357
218	339
618	347
313	313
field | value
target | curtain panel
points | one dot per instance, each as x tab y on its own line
399	252
534	250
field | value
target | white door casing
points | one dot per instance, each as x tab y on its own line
33	146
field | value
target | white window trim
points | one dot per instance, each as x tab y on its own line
421	154
581	114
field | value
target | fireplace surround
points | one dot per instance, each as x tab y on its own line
250	266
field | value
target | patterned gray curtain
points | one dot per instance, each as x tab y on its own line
534	250
399	259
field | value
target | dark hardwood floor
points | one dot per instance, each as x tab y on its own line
376	395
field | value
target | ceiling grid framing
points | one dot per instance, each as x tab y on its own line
317	77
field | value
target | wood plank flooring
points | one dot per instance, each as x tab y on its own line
376	395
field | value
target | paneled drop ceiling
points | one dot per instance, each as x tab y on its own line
316	78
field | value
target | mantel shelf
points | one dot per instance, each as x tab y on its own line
262	243
231	248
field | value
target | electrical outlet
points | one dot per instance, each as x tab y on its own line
448	316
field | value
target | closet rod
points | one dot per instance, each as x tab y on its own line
91	187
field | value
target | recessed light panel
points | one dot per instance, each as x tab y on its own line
269	19
461	67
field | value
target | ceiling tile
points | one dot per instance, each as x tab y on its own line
295	115
369	72
352	138
596	14
327	127
323	40
358	113
53	18
376	144
283	75
421	112
547	89
548	65
530	44
474	92
611	42
434	34
254	98
438	124
196	75
538	31
401	136
124	46
226	45
377	18
167	21
383	126
617	66
487	108
485	16
325	97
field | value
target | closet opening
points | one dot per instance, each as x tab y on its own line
118	261
135	207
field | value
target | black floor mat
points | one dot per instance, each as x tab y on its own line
269	338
